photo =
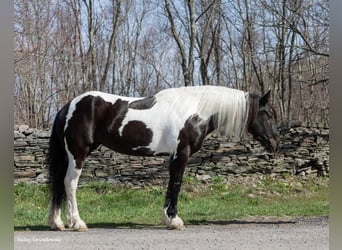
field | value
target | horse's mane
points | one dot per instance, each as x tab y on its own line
229	106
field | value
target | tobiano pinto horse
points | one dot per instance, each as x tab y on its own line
175	121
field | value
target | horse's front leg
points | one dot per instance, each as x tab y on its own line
176	169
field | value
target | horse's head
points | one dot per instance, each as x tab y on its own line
263	123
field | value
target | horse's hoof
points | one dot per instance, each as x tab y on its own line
80	226
172	223
176	223
81	229
56	227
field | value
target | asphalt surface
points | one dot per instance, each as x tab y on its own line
260	233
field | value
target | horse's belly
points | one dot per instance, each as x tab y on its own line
146	140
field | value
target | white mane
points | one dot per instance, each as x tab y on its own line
230	105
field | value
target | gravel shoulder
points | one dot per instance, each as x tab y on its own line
252	233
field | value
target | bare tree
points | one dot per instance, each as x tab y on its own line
208	38
63	48
187	59
116	8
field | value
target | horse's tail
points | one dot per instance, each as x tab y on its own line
57	159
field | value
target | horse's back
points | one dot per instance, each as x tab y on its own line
129	125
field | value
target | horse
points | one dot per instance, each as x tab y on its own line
173	122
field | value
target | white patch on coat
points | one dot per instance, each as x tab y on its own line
164	124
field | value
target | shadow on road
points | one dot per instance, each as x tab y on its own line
125	225
239	222
130	225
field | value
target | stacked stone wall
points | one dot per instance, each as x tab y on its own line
304	151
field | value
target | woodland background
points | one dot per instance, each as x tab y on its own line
136	48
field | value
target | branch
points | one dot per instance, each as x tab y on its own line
200	15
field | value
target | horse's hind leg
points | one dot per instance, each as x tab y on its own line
71	182
54	216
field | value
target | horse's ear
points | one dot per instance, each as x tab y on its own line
265	99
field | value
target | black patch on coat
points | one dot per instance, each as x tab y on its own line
115	114
79	132
137	137
194	131
135	134
94	122
141	104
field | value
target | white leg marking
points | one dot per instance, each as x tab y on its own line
70	182
172	223
54	218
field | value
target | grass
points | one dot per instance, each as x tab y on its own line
102	205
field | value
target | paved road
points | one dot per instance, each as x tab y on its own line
252	234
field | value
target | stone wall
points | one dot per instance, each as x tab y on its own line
304	151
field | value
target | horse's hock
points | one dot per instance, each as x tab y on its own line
304	151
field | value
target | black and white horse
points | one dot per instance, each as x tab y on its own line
175	121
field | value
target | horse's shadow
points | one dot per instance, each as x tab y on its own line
130	225
239	222
104	225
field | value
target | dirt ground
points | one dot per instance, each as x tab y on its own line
259	233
